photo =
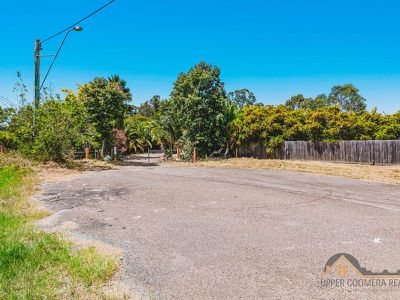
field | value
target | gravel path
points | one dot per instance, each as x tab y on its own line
198	233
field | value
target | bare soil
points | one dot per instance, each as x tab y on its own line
385	174
52	172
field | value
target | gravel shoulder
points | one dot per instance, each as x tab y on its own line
228	233
385	174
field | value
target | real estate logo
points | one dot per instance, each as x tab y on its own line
344	270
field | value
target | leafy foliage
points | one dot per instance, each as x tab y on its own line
347	98
106	102
151	107
198	114
199	100
138	132
269	124
300	102
242	98
120	140
61	127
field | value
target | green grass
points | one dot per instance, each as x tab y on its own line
39	265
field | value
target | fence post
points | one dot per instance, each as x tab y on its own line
178	153
87	152
115	153
194	155
148	155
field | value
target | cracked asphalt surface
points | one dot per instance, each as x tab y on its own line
198	233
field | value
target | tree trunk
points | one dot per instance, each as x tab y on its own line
103	144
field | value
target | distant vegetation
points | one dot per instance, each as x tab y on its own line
199	113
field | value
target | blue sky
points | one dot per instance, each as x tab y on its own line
274	48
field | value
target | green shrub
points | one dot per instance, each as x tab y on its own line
7	140
60	129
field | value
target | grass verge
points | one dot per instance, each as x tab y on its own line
35	264
386	174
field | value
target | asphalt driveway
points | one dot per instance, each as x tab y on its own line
198	233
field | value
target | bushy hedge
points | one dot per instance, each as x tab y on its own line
59	131
270	124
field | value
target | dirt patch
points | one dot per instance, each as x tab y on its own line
387	174
53	172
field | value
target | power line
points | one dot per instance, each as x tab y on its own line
80	21
54	59
7	101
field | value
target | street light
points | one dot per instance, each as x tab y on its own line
38	48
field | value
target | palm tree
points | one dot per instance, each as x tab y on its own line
121	85
138	133
159	135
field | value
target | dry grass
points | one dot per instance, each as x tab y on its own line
386	174
51	171
14	159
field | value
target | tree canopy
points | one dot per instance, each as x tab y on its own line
199	113
347	97
242	98
106	102
199	99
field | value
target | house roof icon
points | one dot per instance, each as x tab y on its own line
352	263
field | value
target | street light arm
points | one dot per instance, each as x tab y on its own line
54	58
80	21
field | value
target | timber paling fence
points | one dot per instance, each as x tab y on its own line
363	152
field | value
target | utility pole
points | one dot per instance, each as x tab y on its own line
38	47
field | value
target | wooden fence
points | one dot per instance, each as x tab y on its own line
365	152
255	151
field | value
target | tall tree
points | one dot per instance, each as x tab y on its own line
155	102
300	102
200	101
151	107
297	102
107	103
347	97
122	85
242	98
